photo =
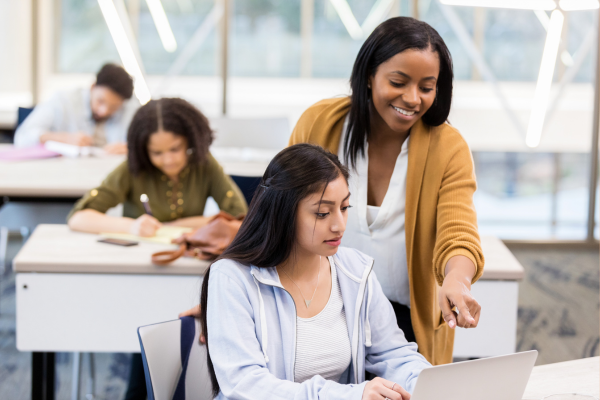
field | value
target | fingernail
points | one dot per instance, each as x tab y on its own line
451	323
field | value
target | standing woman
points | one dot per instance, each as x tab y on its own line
412	180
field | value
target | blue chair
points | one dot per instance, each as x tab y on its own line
22	113
171	352
247	185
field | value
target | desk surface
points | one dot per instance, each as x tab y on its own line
500	263
72	177
55	248
579	376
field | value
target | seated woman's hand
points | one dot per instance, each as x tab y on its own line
145	226
196	313
380	388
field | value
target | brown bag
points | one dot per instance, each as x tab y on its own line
205	243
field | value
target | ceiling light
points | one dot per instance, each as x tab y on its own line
162	25
119	37
547	5
345	12
544	83
574	5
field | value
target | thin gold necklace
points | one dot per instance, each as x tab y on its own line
307	302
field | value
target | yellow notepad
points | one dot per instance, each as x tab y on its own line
163	235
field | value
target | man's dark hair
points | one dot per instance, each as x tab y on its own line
171	115
116	79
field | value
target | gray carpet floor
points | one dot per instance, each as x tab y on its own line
559	305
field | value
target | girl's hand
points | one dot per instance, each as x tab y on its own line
379	389
193	312
145	225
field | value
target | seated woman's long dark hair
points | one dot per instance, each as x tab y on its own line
268	233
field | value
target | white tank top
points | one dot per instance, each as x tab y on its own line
322	342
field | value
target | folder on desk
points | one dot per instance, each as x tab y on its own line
27	153
164	235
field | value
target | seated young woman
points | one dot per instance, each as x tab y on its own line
289	313
168	161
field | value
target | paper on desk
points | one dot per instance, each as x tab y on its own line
72	151
163	235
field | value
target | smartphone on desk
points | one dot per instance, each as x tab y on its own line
118	242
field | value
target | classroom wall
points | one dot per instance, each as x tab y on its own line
15	59
15	46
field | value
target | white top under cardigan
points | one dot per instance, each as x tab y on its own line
379	231
322	342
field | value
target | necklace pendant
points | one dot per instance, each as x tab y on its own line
307	303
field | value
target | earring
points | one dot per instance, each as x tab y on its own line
189	151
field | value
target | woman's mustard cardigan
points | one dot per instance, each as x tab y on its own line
440	219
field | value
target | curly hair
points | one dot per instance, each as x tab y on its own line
116	79
171	115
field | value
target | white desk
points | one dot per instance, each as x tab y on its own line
91	297
579	376
498	294
77	295
57	266
72	177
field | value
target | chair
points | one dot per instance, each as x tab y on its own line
247	185
261	133
22	113
171	352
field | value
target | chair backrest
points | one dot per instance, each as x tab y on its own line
22	113
171	353
247	185
262	133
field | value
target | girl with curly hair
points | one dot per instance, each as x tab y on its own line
168	160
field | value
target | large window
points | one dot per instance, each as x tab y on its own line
283	55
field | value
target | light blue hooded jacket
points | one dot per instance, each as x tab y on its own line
251	322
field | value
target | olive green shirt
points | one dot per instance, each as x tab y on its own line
168	200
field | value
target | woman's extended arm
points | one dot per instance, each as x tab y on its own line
458	258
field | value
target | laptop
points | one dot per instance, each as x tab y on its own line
494	378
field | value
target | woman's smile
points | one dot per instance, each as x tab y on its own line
406	114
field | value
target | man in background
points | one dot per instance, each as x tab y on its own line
98	116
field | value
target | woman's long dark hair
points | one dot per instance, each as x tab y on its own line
268	234
390	38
